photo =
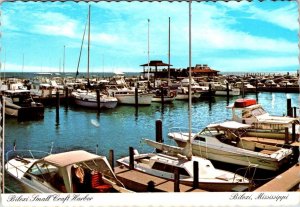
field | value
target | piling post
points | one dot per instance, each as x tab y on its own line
158	129
136	95
66	96
286	138
295	111
150	186
176	180
196	174
227	89
131	158
162	95
111	159
289	107
57	106
98	100
256	86
209	91
293	132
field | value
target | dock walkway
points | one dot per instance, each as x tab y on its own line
138	182
287	181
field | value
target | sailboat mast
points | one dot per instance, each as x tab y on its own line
169	52
190	78
88	63
148	49
64	59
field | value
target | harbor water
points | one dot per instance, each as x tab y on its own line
123	126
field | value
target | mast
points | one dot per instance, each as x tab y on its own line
64	59
23	64
169	52
189	145
148	48
89	39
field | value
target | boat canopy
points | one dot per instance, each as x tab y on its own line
69	158
230	125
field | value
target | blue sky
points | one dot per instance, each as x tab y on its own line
249	37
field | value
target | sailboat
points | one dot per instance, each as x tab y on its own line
89	98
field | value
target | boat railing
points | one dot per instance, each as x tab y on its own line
34	154
183	130
247	171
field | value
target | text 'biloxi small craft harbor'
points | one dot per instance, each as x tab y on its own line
244	152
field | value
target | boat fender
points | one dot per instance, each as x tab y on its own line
172	94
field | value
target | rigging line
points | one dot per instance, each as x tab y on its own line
81	50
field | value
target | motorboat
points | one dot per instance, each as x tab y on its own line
163	165
222	90
67	172
224	142
127	95
250	112
183	94
168	96
89	99
20	104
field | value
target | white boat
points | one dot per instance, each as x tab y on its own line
224	142
249	112
163	165
168	96
68	172
183	94
19	103
221	89
89	99
127	95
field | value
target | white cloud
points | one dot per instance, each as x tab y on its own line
254	63
53	23
283	17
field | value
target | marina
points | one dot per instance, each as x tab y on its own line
74	128
174	127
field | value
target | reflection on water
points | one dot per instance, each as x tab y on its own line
124	126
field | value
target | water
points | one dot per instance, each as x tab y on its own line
122	127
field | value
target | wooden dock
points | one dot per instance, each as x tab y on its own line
287	181
139	182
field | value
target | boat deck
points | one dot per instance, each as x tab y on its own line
138	182
270	141
287	181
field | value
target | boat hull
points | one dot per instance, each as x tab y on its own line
143	99
220	155
224	93
94	104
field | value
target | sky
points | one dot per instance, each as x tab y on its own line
228	37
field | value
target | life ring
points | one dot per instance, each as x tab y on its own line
172	94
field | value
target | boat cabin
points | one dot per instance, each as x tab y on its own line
73	172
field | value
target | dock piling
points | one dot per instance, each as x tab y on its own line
295	111
111	159
150	186
98	100
176	179
158	129
196	174
289	107
286	138
131	158
136	97
293	132
162	95
57	106
66	96
209	91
